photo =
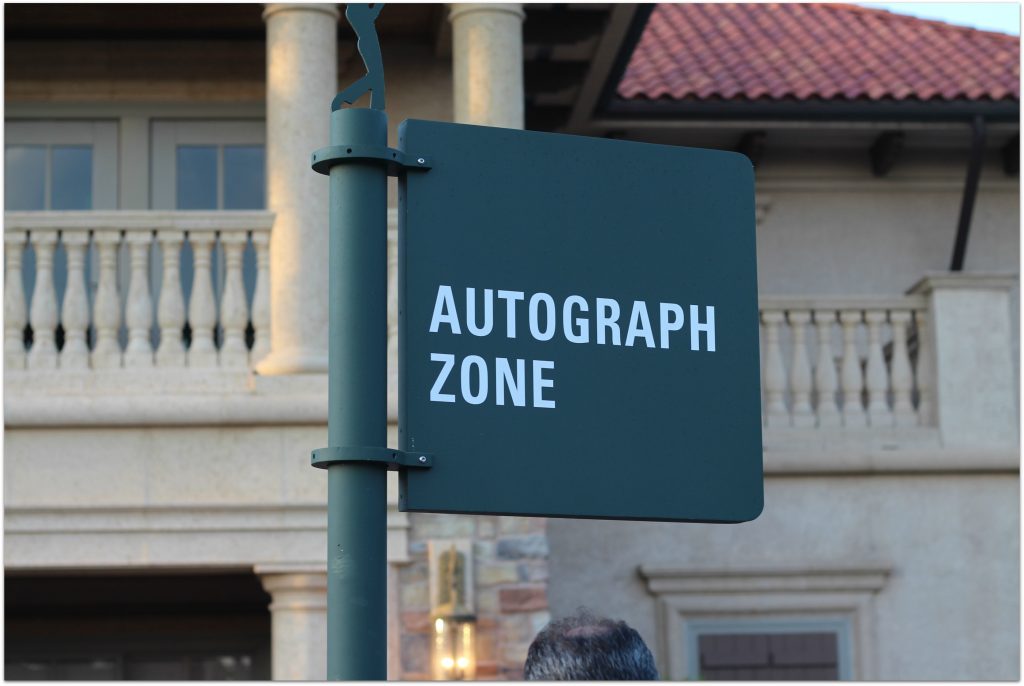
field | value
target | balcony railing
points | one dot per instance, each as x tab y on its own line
104	290
87	292
841	362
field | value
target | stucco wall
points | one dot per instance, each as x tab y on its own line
949	609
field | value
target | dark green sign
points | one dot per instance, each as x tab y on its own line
578	327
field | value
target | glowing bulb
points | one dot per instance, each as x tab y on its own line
447	662
462	663
439	625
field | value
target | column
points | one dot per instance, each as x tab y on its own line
974	372
302	79
487	63
298	621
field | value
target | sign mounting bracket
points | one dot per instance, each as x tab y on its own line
396	161
396	460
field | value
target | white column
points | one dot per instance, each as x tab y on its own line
298	621
971	342
302	79
487	63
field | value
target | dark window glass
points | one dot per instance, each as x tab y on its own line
197	177
769	657
243	177
72	178
25	177
91	670
160	627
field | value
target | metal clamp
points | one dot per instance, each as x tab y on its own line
395	160
394	459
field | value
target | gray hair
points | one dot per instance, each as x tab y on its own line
584	647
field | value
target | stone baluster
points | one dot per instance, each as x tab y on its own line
774	372
170	311
233	310
850	374
75	309
42	315
15	312
261	298
202	311
800	370
825	379
901	376
138	311
924	369
877	376
106	309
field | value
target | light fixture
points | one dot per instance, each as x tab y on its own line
451	601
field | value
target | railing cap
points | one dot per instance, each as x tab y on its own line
140	220
963	281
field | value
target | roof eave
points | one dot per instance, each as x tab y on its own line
828	110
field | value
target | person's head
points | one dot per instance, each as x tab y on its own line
584	647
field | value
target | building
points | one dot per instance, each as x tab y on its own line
165	339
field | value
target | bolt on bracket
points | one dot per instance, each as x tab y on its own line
396	161
395	460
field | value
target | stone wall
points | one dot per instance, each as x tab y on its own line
510	555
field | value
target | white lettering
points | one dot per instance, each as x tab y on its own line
504	379
550	320
667	324
435	392
639	316
582	322
481	389
510	298
540	383
607	316
471	312
445	301
708	327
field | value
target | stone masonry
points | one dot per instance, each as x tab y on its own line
510	557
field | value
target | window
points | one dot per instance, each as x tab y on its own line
114	627
66	165
765	624
208	165
762	650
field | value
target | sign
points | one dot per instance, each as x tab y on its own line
578	327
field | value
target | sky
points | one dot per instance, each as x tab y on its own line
989	16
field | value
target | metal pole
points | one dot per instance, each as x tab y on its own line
357	405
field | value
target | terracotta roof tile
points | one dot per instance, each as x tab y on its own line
815	50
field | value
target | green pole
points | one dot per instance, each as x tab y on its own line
357	404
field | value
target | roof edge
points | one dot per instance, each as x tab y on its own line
873	110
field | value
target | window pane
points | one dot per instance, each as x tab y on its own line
99	669
25	177
29	670
769	656
197	177
156	668
72	178
243	177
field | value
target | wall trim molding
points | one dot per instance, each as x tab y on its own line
686	597
120	537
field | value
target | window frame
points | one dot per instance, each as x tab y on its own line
100	134
167	134
688	598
